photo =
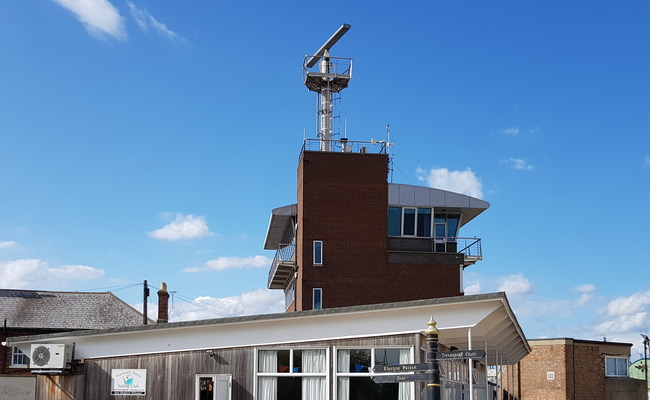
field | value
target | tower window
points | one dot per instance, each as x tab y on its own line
318	252
317	299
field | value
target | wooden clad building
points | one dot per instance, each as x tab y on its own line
323	354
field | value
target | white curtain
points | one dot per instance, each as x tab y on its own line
405	388
268	385
313	387
343	383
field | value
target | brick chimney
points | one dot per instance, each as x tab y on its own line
163	304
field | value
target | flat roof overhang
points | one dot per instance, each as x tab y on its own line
485	318
419	196
280	217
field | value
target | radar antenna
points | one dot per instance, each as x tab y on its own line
331	76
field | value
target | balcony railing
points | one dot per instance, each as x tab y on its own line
345	146
282	265
469	247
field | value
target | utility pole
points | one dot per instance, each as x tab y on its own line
145	320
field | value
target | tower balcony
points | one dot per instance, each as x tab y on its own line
469	248
283	266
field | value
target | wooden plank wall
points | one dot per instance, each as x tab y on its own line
171	376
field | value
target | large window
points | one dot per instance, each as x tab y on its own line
616	366
212	387
18	358
354	372
422	222
288	374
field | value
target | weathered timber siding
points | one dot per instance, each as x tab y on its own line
171	376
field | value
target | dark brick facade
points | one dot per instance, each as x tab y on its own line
343	201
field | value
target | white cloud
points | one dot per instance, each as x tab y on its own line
37	274
464	182
512	131
515	285
474	288
8	244
587	287
146	21
223	263
100	17
183	227
629	305
257	302
518	164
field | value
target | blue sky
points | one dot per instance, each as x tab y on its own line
150	140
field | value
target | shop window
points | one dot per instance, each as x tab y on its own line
292	374
354	372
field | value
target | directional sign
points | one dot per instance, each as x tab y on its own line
460	354
402	378
402	368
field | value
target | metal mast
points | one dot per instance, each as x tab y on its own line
332	76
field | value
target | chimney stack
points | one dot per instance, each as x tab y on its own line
163	304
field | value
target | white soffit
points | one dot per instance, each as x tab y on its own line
488	316
280	217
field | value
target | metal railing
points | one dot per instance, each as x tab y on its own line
345	146
471	247
286	253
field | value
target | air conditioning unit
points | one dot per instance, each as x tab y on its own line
52	356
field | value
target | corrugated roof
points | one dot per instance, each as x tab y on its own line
37	309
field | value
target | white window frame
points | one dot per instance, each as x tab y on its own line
291	372
318	256
17	353
617	358
373	363
216	378
313	298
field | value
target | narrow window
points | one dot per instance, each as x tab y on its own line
318	252
317	299
408	228
394	221
424	222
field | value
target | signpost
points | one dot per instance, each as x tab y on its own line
460	354
401	378
403	368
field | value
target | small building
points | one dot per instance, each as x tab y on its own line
38	312
316	354
574	369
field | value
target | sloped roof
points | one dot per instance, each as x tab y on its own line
35	309
486	318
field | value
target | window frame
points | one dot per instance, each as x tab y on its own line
16	354
291	373
320	298
373	362
616	366
317	253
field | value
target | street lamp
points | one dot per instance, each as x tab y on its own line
646	341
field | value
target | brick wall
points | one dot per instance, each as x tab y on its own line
343	201
543	359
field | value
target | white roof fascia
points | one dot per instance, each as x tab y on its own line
296	327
